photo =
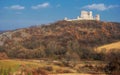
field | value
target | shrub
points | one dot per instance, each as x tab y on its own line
39	71
99	56
48	68
2	49
63	71
3	55
86	53
113	65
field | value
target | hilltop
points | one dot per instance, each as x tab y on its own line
1	31
60	39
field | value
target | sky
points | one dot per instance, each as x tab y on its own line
16	14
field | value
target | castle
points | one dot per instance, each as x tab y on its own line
85	16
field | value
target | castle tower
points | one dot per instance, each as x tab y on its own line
65	18
78	17
90	15
97	17
84	14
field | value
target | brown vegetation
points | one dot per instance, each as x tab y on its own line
113	65
3	55
60	40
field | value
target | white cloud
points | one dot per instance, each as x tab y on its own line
113	6
16	7
43	5
100	7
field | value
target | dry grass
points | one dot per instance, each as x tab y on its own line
77	74
49	67
15	64
108	47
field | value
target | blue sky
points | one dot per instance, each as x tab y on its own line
16	14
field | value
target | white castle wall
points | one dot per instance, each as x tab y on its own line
85	16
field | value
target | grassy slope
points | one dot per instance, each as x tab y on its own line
108	47
15	65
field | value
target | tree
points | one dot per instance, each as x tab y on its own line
2	49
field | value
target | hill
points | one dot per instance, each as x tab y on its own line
1	31
62	39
